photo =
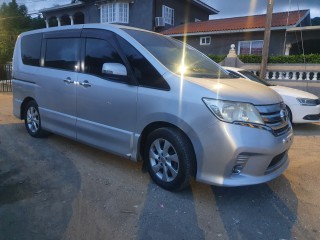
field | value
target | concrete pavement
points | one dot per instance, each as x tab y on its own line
56	188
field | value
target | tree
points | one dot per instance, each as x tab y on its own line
14	19
13	16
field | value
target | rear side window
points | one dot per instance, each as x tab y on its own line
31	49
63	53
98	52
144	72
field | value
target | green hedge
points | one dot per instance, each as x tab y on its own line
217	58
310	58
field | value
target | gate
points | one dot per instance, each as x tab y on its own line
5	77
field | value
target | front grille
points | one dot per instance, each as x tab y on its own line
316	102
275	116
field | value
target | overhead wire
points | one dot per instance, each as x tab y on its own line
285	34
302	44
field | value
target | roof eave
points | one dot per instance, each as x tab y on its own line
45	10
206	6
307	28
302	18
227	31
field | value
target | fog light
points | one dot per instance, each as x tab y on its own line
237	169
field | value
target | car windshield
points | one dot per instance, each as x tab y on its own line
254	77
170	53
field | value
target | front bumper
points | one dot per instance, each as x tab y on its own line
235	155
305	114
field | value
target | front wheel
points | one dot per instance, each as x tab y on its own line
169	158
32	120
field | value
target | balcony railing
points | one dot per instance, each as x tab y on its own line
293	72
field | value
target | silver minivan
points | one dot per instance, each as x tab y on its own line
145	96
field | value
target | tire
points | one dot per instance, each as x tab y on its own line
289	114
169	158
32	120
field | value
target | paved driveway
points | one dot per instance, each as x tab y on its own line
55	188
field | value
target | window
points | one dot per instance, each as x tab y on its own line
168	15
144	72
205	40
31	49
62	53
98	52
250	47
169	52
114	13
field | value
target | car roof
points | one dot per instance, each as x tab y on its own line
105	26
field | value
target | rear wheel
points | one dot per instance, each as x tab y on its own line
169	158
32	120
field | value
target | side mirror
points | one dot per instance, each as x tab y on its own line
114	69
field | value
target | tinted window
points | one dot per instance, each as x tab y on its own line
99	52
178	57
31	49
62	53
143	71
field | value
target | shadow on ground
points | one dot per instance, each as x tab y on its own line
258	212
37	187
306	129
168	215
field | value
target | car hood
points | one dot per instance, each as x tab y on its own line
239	89
291	92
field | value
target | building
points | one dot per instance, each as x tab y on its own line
290	34
154	15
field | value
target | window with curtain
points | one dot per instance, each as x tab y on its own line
114	13
250	47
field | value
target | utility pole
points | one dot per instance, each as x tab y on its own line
266	41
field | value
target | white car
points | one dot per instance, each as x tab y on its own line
303	107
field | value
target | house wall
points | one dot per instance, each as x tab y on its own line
220	43
304	42
181	8
297	36
141	14
91	14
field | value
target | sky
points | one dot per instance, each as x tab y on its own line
231	8
227	8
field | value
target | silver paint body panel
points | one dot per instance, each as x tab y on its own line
111	115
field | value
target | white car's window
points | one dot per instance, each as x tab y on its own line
255	78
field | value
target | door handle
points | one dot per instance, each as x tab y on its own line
68	80
85	84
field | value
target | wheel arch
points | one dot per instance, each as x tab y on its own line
161	124
24	105
289	113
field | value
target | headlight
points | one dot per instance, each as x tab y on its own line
233	111
308	101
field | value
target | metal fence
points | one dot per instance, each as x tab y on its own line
5	77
